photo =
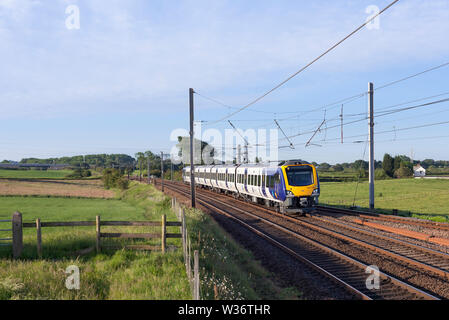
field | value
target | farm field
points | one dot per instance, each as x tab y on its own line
124	274
62	188
34	174
424	198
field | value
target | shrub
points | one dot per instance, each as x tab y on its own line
403	172
112	178
79	173
380	174
122	183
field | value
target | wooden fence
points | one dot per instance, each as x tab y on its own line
192	272
18	225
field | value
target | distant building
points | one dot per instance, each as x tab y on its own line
419	171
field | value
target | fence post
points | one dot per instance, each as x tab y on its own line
39	237
98	229
183	231
17	235
196	276
163	234
189	266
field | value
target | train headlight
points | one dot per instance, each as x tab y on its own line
289	193
316	192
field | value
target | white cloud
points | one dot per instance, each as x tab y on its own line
128	53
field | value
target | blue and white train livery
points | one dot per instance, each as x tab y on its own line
291	186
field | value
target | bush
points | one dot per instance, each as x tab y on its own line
380	174
112	178
122	183
403	172
80	173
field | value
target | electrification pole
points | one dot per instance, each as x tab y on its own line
192	167
371	144
239	154
245	160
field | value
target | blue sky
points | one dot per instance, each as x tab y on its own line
119	84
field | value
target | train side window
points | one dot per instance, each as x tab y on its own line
277	178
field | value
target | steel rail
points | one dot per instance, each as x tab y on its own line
381	236
441	272
383	217
398	282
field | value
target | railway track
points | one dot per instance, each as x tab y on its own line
386	218
419	256
336	266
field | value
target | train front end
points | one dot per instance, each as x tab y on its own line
302	186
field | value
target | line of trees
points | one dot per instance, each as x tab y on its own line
399	166
90	160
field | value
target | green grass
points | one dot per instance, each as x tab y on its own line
34	174
224	264
121	274
125	274
424	198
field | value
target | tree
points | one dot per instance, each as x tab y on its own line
338	167
388	165
324	166
361	164
397	162
140	156
403	172
380	174
427	163
205	157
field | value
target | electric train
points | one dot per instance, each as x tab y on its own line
290	187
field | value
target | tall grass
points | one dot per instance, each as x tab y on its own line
125	274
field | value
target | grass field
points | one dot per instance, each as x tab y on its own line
63	188
424	198
110	275
34	174
124	274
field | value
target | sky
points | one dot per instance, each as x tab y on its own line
119	83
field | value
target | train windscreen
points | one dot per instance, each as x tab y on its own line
299	175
